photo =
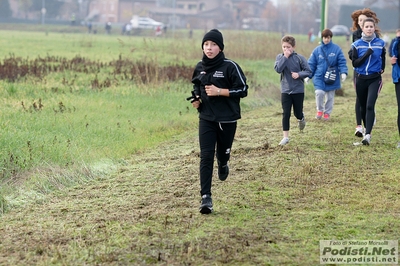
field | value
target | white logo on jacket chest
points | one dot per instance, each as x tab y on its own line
218	74
329	56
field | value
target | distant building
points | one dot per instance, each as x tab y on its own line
186	13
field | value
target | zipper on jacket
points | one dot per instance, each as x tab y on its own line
369	60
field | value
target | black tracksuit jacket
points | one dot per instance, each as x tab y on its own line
227	75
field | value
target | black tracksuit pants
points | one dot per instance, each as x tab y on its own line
357	106
367	93
213	136
289	100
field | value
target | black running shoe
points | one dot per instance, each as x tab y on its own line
223	171
206	206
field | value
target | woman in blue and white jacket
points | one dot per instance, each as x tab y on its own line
331	53
368	60
395	62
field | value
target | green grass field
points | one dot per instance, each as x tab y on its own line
110	176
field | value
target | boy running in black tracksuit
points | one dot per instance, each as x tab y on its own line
219	83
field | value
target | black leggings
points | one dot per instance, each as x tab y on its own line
397	88
289	100
213	136
367	93
357	106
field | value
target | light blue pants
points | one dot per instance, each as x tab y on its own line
324	100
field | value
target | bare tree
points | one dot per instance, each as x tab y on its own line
388	3
289	18
25	6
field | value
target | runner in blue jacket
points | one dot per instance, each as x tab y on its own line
395	61
332	54
368	60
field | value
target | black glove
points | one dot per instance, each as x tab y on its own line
192	98
369	51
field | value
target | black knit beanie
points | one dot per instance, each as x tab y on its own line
215	36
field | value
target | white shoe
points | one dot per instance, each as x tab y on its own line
398	145
367	139
359	132
284	141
